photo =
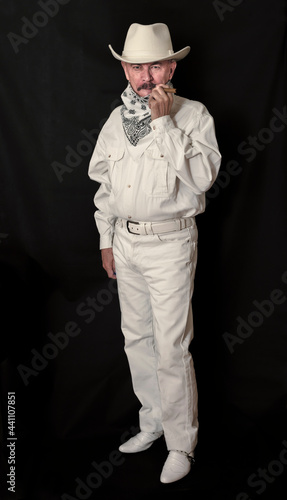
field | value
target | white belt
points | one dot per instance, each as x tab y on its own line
159	227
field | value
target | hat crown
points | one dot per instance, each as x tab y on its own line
152	38
146	43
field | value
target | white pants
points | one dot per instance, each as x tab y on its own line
155	282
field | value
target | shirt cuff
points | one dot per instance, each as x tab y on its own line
161	125
106	242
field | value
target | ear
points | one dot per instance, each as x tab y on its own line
172	69
124	65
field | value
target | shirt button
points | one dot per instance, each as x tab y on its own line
161	156
129	216
109	156
154	127
129	185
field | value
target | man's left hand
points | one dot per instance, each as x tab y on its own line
160	102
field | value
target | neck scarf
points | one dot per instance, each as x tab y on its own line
136	115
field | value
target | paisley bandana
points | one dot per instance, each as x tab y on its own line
136	115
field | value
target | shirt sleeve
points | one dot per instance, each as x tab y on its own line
194	155
99	172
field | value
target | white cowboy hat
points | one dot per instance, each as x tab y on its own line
148	43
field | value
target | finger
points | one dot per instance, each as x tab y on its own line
163	87
160	95
111	273
158	92
153	101
168	95
114	269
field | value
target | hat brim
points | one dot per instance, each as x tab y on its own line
177	56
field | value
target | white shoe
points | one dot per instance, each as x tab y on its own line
177	465
142	441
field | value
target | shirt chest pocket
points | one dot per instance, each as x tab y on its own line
159	177
115	164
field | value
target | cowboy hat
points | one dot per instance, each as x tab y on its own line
148	43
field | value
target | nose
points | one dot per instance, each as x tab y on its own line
146	74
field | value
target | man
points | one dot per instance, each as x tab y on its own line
155	158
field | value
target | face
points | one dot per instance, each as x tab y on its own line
144	77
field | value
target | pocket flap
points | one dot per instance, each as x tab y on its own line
156	154
115	154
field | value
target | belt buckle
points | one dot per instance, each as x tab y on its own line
131	222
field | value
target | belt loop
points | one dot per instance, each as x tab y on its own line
183	223
148	228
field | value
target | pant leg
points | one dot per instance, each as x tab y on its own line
169	273
137	328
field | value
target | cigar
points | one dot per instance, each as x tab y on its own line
168	90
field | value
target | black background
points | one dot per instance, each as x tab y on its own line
74	408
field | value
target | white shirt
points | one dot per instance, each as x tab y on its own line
165	176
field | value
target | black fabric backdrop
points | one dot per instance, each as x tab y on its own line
61	344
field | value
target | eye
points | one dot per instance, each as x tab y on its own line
136	67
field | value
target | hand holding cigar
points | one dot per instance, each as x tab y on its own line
160	105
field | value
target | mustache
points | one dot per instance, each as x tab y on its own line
146	86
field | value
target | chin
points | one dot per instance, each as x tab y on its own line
144	92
